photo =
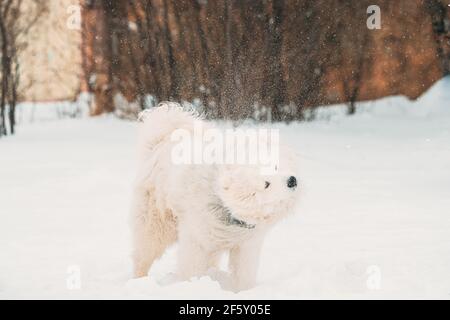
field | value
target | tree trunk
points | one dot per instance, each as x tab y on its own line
100	77
440	19
5	72
275	87
173	73
204	53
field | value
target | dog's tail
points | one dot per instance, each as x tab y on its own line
158	123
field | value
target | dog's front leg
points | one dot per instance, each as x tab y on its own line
244	262
194	259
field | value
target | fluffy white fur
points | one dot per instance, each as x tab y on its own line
209	209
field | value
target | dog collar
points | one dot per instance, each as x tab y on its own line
239	223
226	216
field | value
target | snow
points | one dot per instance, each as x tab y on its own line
31	112
374	220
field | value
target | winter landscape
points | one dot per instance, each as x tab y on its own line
373	222
359	90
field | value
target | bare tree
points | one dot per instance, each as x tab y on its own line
440	18
171	62
14	25
353	54
274	87
352	86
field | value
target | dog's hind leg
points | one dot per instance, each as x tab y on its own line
153	232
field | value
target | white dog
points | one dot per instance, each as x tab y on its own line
208	208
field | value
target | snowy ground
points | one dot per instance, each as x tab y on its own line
374	221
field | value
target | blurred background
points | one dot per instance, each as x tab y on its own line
265	59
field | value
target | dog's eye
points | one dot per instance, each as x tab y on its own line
267	184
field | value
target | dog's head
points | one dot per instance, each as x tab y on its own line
256	198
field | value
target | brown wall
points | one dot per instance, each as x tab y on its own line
50	59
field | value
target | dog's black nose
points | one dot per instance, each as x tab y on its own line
292	182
